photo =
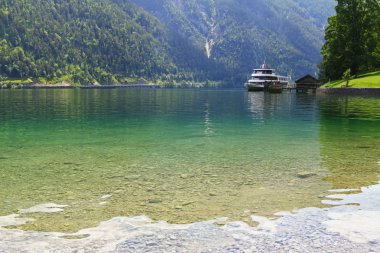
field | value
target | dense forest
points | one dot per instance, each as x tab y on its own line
91	41
352	40
166	41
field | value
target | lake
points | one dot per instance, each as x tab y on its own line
181	156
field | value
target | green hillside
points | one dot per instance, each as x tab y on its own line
369	80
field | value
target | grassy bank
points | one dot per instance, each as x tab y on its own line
368	80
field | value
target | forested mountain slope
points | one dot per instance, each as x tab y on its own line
288	34
93	40
109	41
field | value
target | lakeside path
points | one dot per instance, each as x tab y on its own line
353	225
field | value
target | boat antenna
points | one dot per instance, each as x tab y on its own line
265	64
290	75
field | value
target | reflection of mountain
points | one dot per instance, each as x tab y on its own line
350	140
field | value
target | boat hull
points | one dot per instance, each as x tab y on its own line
254	87
275	88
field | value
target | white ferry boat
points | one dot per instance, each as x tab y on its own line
265	78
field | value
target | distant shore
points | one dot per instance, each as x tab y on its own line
69	86
336	91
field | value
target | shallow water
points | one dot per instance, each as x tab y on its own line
179	155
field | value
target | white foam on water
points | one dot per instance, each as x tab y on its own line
44	208
343	190
265	224
360	223
13	220
359	226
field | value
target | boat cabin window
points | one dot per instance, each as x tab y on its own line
263	72
265	78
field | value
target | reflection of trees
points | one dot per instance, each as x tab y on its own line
350	140
352	107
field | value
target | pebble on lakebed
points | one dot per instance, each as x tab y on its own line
154	201
306	174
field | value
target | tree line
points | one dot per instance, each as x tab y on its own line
352	40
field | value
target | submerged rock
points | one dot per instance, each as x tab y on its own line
364	147
106	196
155	201
75	237
132	177
188	203
306	174
184	176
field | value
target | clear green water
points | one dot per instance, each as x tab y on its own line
179	155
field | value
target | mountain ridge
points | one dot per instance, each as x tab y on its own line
274	32
168	41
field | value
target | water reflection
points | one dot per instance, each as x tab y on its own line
265	106
208	123
350	140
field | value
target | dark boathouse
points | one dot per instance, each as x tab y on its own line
307	83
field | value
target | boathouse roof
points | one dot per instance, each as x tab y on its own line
307	79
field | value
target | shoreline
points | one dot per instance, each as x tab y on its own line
350	91
52	86
342	227
328	91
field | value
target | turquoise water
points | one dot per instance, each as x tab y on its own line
179	155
